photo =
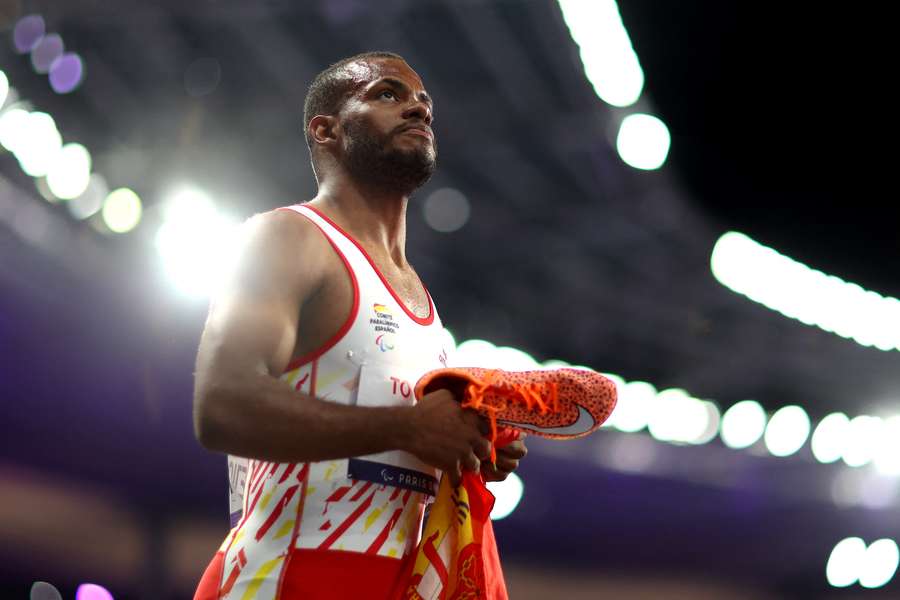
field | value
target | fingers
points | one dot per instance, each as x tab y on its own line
455	475
471	462
516	450
482	448
477	421
491	474
507	465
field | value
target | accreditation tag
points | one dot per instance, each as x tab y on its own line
390	385
237	479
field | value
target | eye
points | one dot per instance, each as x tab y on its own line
388	94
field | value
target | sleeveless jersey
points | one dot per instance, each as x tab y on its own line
370	505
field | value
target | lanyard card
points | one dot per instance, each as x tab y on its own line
237	479
391	385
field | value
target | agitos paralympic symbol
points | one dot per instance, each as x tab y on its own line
383	343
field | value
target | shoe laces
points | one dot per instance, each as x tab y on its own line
537	396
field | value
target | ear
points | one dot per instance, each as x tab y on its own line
322	129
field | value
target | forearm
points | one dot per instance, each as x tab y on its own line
261	417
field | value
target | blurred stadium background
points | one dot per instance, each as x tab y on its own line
693	197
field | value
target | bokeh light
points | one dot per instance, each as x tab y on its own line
887	452
446	210
196	242
92	591
70	171
633	406
4	88
91	199
643	141
122	210
863	436
67	73
47	50
743	424
39	148
13	128
677	417
507	493
610	62
28	33
829	437
41	590
844	563
879	564
809	296
787	431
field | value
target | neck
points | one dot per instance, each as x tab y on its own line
375	217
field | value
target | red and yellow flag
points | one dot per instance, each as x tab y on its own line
457	558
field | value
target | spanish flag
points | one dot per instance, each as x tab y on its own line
457	558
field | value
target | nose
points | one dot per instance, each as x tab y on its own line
419	109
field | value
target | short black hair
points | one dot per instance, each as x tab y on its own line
331	88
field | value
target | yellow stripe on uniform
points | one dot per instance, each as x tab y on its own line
373	516
285	529
260	578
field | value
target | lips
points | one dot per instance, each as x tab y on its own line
419	131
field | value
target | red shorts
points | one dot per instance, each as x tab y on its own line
321	575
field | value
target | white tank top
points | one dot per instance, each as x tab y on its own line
370	504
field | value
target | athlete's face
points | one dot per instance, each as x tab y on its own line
386	126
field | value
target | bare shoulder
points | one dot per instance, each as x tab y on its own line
283	248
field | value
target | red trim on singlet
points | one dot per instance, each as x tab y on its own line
328	345
427	320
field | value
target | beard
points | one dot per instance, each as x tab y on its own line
372	160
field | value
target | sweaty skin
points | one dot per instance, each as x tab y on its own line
289	293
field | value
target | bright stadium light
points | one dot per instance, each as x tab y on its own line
830	437
610	62
643	141
677	417
4	87
879	564
633	406
122	210
809	296
713	420
507	495
743	424
887	452
14	128
196	242
513	359
38	150
863	436
70	171
787	431
475	353
845	562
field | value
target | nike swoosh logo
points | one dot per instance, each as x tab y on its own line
582	424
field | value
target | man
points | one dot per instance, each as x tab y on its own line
310	352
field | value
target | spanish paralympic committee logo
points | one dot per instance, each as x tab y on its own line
385	326
383	342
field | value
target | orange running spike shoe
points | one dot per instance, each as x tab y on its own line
559	403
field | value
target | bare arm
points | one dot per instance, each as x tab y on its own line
240	405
